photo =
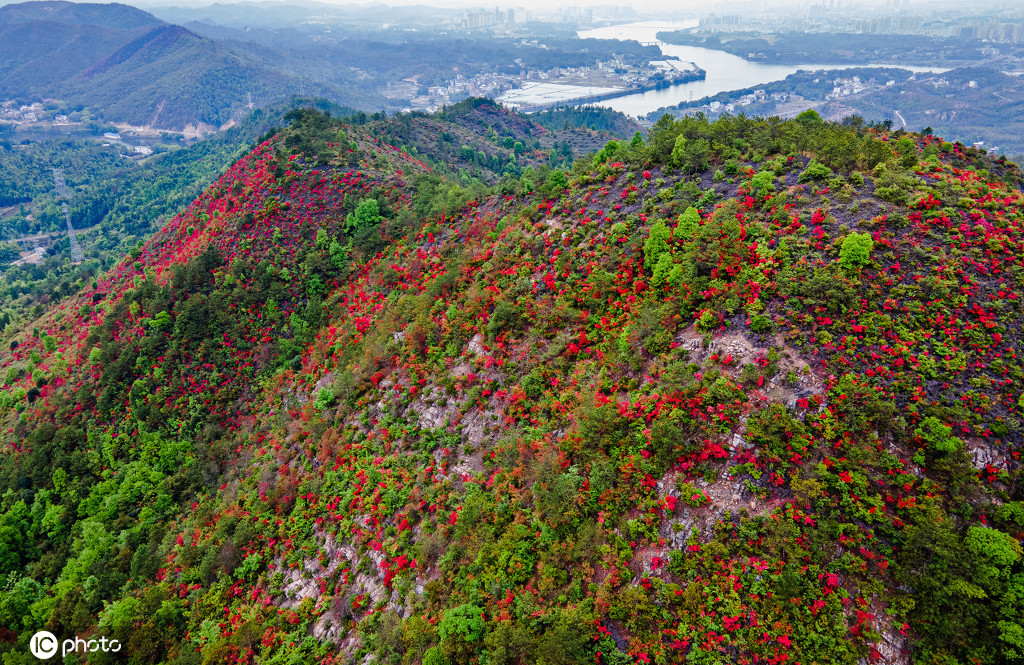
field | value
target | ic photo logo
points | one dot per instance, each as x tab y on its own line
44	645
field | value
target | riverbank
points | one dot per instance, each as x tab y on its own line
694	74
850	49
725	72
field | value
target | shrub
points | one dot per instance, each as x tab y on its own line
14	373
691	496
367	214
815	171
707	321
461	630
763	183
325	399
656	244
761	324
856	250
938	437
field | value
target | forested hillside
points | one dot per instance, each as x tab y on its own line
116	203
128	66
741	392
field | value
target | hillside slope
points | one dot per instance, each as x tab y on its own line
746	392
128	66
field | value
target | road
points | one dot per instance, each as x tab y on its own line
901	119
62	191
35	240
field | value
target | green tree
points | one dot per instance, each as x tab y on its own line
763	183
907	150
678	151
690	155
557	180
9	252
461	632
338	254
605	153
656	244
367	214
689	223
938	436
809	117
856	250
815	171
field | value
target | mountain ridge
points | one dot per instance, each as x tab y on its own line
744	391
108	15
128	66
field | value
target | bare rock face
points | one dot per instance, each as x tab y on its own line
892	648
325	381
432	410
737	442
476	345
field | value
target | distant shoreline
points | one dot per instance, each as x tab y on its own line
696	75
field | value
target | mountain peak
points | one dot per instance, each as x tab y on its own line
114	16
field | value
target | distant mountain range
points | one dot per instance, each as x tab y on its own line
133	67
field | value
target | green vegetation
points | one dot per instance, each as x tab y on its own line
116	203
352	403
595	118
855	250
854	48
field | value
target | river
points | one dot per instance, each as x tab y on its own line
725	71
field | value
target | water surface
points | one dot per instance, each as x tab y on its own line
725	71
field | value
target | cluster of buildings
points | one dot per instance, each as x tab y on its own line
943	82
759	95
576	15
892	17
596	79
847	86
14	112
718	22
480	85
481	18
995	31
891	25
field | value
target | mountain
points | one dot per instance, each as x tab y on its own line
304	15
744	391
45	43
972	103
113	16
129	66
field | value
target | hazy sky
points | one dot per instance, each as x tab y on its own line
645	6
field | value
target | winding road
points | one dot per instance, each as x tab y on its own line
62	191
